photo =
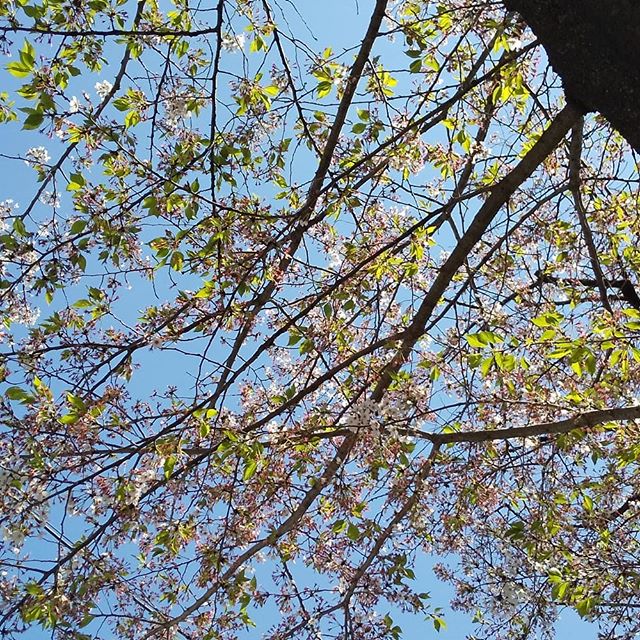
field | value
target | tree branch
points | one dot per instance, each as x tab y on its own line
581	421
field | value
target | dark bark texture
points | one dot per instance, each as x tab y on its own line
594	46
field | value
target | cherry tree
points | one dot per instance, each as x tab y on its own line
288	308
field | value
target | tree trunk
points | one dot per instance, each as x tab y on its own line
594	46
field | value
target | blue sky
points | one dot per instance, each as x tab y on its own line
333	23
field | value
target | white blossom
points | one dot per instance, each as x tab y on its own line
233	42
103	88
176	106
37	156
74	105
7	206
386	413
513	594
273	429
340	75
515	43
15	535
22	313
156	340
141	482
6	210
50	198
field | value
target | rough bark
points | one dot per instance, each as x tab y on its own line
593	46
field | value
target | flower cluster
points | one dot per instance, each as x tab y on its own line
37	156
233	42
103	88
74	105
50	199
139	483
7	208
381	417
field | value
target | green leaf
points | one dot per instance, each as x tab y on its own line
121	104
294	338
547	320
476	340
33	121
257	44
584	607
169	465
560	352
177	261
324	88
250	469
19	227
19	395
131	119
339	526
76	402
27	54
306	347
33	589
516	531
18	69
439	624
86	620
76	182
78	227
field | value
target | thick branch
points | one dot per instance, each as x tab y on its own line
581	421
492	205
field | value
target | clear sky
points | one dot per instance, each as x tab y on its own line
335	23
